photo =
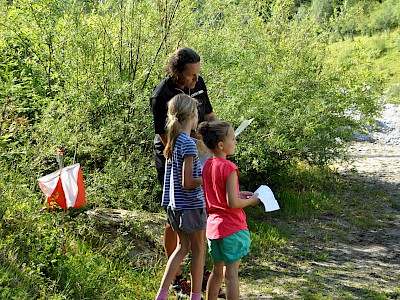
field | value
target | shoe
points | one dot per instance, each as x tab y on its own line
180	288
221	294
206	276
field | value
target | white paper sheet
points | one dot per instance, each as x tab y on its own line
242	126
267	198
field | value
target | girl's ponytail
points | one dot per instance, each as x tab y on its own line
180	109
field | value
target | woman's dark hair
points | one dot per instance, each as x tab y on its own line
179	59
213	132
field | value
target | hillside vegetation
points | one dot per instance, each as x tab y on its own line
77	75
383	52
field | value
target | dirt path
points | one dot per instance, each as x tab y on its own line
377	162
353	255
375	246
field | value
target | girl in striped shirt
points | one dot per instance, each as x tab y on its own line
183	195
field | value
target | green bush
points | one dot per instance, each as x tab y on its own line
77	75
96	72
387	16
277	73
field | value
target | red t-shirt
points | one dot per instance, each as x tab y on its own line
222	220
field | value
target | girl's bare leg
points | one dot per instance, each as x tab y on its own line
232	280
170	241
175	260
214	281
198	247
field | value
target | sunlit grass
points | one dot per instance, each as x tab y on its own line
383	53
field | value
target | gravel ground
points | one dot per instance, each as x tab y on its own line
376	155
386	129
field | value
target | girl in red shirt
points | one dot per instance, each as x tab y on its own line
227	232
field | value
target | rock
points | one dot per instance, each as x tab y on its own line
140	232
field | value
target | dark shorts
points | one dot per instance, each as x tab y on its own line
187	220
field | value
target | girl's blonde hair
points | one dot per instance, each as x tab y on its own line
180	109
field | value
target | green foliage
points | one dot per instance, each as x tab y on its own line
393	93
366	17
77	75
88	68
300	101
381	53
322	10
91	74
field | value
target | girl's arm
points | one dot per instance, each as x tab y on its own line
232	195
188	182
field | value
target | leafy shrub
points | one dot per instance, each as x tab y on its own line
276	72
77	75
97	77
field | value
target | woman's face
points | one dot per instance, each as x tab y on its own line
189	76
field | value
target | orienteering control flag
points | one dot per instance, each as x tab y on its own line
64	187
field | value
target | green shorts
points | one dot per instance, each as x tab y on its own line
231	248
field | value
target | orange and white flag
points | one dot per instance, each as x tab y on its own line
64	188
